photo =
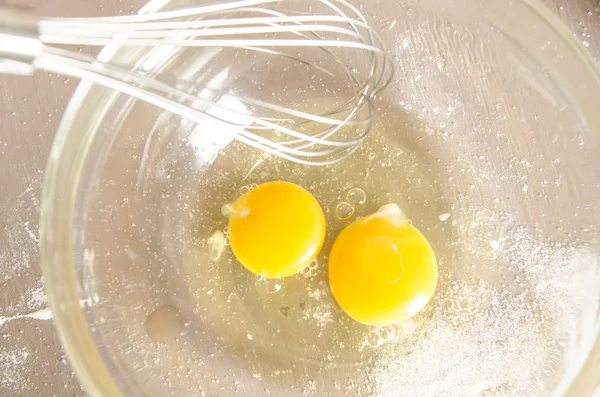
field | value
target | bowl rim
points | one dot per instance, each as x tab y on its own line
57	215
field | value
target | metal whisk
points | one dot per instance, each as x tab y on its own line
328	38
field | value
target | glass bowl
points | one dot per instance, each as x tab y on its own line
486	139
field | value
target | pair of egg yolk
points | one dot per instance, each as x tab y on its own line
381	269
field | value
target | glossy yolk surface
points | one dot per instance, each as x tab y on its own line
276	229
382	270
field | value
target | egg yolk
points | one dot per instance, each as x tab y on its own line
276	229
381	269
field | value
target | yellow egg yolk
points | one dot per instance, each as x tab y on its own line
381	269
276	229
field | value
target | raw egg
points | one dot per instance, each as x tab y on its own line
276	229
382	270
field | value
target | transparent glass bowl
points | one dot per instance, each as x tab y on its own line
487	139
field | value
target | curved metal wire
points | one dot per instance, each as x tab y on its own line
249	25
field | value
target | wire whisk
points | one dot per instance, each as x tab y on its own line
324	48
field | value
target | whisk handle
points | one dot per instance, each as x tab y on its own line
20	44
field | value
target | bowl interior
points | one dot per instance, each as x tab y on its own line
480	141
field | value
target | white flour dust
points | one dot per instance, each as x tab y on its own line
19	238
496	340
33	299
19	258
43	314
11	365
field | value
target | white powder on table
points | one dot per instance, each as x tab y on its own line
43	314
19	258
20	246
11	365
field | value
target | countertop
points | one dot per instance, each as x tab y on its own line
32	362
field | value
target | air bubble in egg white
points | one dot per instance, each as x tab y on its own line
246	188
387	333
483	235
356	196
311	270
380	336
226	234
344	210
